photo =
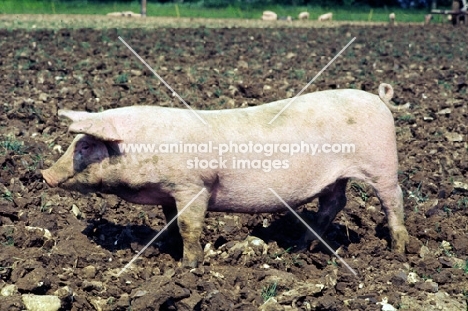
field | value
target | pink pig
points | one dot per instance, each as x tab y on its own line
99	158
326	17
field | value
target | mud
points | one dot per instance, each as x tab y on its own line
89	239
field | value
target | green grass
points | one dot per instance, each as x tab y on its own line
7	195
121	79
10	143
269	291
195	10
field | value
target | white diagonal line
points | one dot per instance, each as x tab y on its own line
164	82
159	233
311	81
315	233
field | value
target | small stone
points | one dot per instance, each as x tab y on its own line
331	279
385	305
301	289
98	303
217	275
424	251
399	278
90	285
266	87
76	211
242	64
445	111
46	232
169	273
458	262
9	290
197	271
123	301
271	305
249	248
453	137
64	292
139	293
460	185
429	286
89	272
43	97
446	246
191	302
41	303
412	278
58	149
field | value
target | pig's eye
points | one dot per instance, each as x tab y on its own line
84	146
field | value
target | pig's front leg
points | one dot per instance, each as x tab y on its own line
172	235
190	223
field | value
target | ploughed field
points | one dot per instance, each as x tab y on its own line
54	242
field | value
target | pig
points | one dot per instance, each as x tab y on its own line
326	17
96	160
304	15
269	16
391	18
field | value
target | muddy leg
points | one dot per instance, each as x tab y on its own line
391	199
170	211
172	239
191	225
330	204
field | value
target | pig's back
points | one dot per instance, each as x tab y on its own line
331	117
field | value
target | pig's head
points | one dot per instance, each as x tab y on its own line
80	167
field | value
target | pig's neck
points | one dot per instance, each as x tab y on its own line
126	183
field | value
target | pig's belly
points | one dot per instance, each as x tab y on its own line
251	200
249	192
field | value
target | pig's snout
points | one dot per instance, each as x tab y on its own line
49	178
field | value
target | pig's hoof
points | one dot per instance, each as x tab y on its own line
314	245
187	263
399	241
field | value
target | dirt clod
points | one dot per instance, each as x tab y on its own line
251	258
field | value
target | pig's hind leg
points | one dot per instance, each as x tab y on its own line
331	202
391	198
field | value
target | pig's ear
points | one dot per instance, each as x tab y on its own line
74	115
91	124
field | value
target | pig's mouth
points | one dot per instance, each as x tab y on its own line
70	183
50	179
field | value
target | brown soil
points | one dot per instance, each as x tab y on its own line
84	69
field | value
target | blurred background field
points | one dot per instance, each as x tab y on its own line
343	10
